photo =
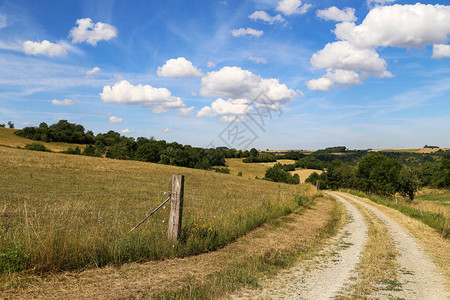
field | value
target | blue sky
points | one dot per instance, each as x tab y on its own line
372	74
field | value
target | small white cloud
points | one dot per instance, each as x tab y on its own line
193	94
26	123
262	15
246	31
159	99
259	60
225	107
128	131
87	31
379	2
320	84
339	15
3	23
43	48
441	51
292	7
165	130
180	67
211	64
115	120
92	72
343	78
65	102
187	111
108	114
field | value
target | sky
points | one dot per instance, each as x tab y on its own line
269	74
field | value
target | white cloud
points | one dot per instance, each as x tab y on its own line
225	107
115	120
320	84
92	72
43	48
187	111
3	23
165	130
339	15
159	99
246	31
262	15
180	67
211	64
87	31
382	2
342	78
292	7
259	60
399	26
236	83
344	56
26	123
65	102
128	131
440	51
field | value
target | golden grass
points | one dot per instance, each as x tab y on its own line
8	138
417	150
251	170
238	264
305	173
62	212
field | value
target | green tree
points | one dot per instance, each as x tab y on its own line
408	183
10	124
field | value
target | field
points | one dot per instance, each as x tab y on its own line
8	138
411	150
304	173
66	212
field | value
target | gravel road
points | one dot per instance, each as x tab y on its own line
329	275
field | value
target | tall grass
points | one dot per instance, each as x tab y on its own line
61	212
435	220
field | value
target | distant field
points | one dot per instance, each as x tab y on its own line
251	170
62	212
410	150
304	173
8	138
434	201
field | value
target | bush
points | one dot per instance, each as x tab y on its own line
222	170
277	174
310	162
239	174
36	147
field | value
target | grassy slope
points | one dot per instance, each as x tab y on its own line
8	138
62	211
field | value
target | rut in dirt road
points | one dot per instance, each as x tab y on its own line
326	280
418	274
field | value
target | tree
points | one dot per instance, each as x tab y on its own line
254	152
2	125
10	124
408	183
277	174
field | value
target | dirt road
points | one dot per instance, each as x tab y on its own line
324	279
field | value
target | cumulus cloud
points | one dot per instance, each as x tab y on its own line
292	7
246	31
92	72
236	83
399	26
159	99
344	56
262	15
382	2
128	130
339	15
440	51
115	120
87	31
259	60
320	84
187	111
65	102
211	64
334	78
180	67
43	48
225	107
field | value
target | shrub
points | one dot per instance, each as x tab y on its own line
36	147
277	174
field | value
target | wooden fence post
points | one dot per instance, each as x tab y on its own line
176	207
318	185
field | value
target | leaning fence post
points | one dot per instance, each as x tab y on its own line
176	207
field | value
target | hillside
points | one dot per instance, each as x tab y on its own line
8	138
63	212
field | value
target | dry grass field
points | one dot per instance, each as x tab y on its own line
8	138
65	212
304	173
416	150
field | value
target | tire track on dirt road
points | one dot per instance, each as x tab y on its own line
418	274
327	279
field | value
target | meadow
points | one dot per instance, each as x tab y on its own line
66	212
